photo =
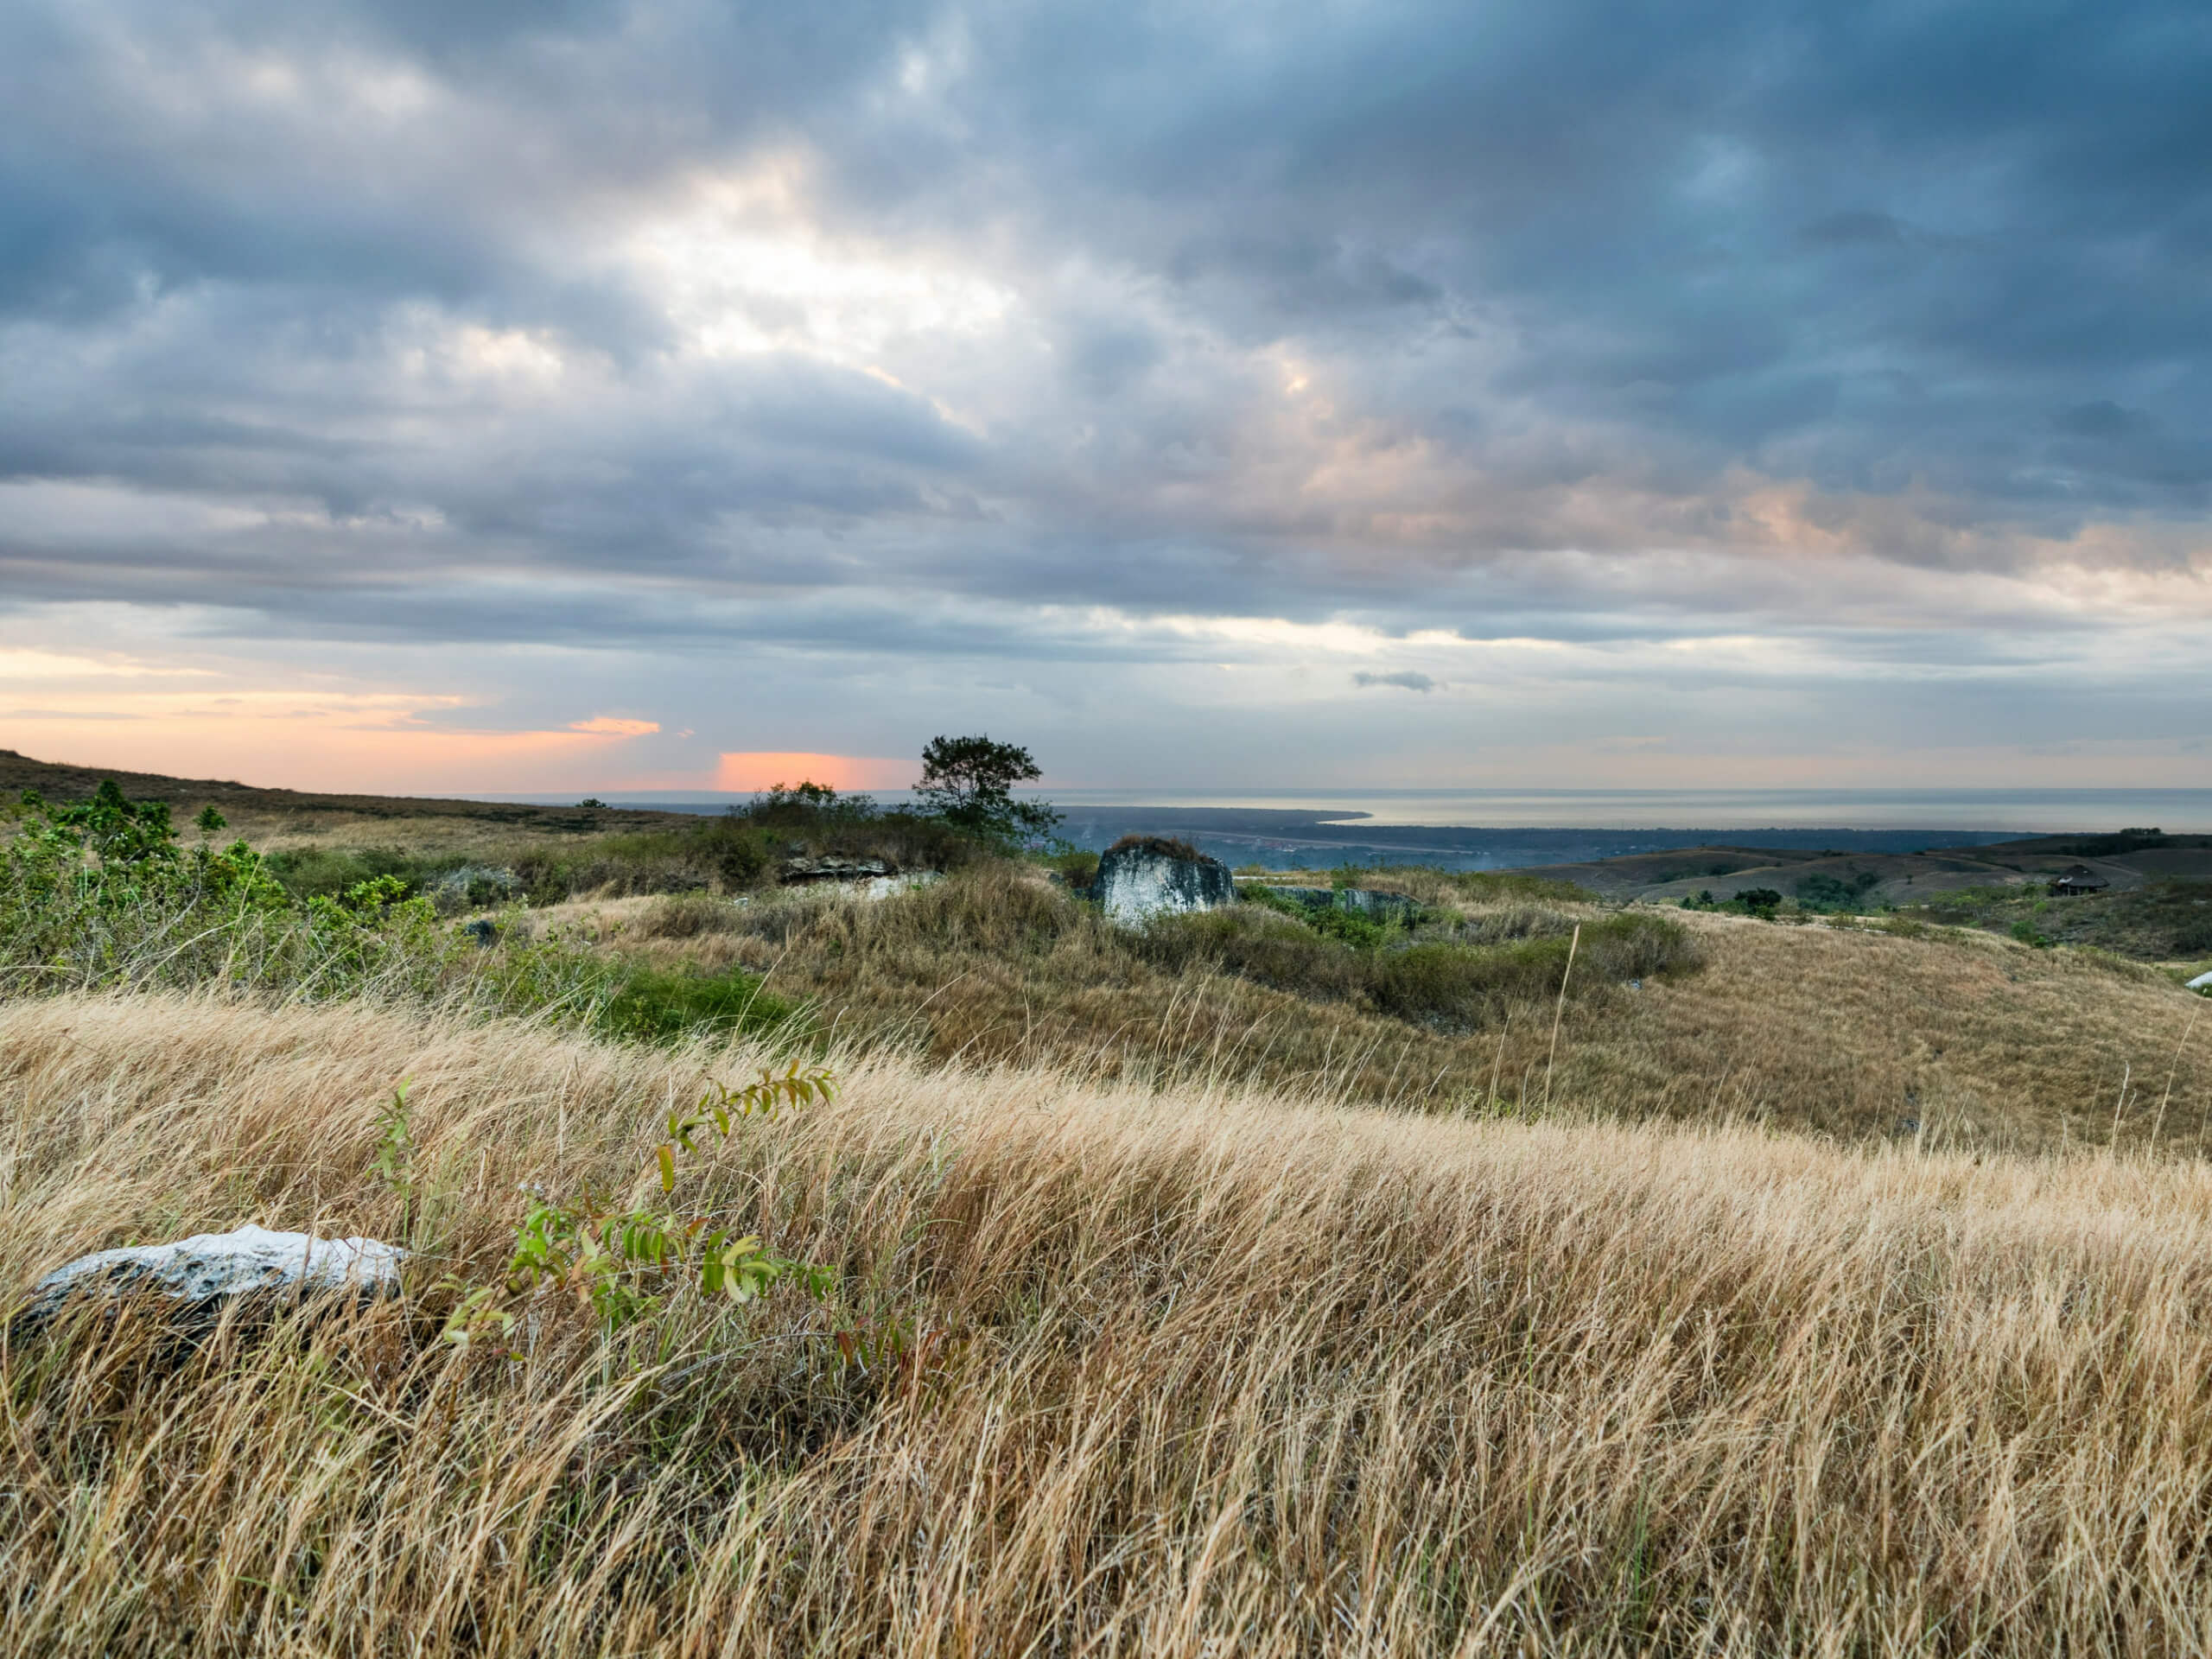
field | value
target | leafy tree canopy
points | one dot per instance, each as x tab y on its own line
969	781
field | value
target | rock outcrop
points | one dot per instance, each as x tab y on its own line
833	869
1143	876
208	1270
2202	982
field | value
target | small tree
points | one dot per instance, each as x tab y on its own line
969	781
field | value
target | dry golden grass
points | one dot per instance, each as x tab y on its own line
1972	1040
1194	1374
453	834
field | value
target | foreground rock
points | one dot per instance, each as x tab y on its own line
2202	982
208	1270
1143	876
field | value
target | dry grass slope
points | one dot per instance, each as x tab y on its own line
1194	1373
1978	1041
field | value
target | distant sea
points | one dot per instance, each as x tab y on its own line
1507	829
2021	811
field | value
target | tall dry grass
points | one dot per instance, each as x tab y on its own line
1974	1041
1188	1373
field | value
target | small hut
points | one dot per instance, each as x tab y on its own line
2079	879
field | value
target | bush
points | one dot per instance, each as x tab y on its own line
474	886
1493	887
1078	867
104	897
1758	901
325	872
653	1005
1255	943
1446	981
1823	892
1429	981
1345	926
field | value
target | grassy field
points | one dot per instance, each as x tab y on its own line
1852	1031
2160	920
1175	1373
1261	1282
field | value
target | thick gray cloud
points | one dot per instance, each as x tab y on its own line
991	333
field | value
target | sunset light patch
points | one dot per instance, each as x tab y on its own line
755	770
607	726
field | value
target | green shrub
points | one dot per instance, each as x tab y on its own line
1428	981
1077	867
1345	926
1447	981
1255	943
1349	927
653	1006
1491	886
1758	901
325	872
1823	892
107	899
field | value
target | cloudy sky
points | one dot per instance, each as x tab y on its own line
642	393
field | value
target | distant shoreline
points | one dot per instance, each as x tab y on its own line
1382	829
1700	815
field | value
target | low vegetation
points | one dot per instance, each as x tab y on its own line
952	1271
1449	971
1095	1371
104	894
733	852
2161	920
1856	1028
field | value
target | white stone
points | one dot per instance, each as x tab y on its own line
1138	879
2202	982
209	1267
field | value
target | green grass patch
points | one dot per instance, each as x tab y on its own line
1495	886
656	1006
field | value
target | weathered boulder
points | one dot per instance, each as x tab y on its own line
1143	876
833	869
2202	982
208	1269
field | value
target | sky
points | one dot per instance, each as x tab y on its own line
691	394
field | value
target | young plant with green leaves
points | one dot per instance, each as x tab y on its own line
625	1260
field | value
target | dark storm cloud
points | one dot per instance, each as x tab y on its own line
1561	276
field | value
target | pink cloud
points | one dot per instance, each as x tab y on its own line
759	769
608	726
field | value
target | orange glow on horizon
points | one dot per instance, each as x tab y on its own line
761	769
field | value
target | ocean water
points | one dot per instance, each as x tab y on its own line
2024	812
2020	811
